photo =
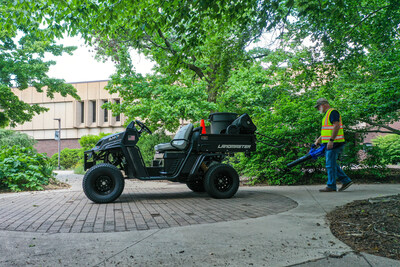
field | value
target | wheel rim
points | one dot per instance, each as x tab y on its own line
223	181
103	185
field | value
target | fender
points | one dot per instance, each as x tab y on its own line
196	166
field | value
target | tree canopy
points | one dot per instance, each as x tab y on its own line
208	58
23	44
360	41
195	45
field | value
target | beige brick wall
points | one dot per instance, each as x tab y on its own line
68	109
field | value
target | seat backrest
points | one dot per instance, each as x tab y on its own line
183	133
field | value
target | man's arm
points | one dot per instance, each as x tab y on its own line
336	127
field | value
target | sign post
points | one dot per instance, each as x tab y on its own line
58	138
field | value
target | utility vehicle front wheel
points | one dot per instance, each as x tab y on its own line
103	183
221	181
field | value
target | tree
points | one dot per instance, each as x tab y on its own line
203	64
346	29
11	138
280	99
23	44
360	40
195	45
370	93
159	99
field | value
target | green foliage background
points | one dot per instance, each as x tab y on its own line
22	168
209	56
147	142
389	146
23	45
69	158
11	138
89	141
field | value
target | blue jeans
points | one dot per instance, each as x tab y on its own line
335	172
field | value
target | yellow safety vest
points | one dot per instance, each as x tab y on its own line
327	128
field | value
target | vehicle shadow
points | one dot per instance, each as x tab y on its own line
168	195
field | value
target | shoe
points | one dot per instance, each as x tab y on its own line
345	186
327	189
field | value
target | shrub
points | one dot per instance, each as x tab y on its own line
296	125
22	168
89	141
79	168
295	133
147	143
389	145
368	164
68	158
11	138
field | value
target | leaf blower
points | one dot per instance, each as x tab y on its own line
314	153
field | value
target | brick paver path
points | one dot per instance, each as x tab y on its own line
136	209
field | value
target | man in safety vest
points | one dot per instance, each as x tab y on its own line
332	135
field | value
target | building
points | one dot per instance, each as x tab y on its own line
78	117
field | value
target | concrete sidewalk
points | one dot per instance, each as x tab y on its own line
299	236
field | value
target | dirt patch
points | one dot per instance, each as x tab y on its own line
371	226
55	184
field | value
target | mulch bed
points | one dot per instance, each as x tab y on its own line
371	226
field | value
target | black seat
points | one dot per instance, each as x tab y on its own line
180	141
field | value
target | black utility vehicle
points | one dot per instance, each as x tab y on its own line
191	157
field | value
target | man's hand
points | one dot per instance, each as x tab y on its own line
330	145
317	141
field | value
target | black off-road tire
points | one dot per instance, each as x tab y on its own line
196	186
221	181
103	183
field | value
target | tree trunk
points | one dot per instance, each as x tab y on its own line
212	90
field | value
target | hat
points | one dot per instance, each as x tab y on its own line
320	102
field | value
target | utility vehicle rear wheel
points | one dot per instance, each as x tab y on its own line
196	186
103	183
221	181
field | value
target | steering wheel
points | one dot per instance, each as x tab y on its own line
143	127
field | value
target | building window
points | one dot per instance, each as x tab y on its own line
82	112
93	111
118	117
105	112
